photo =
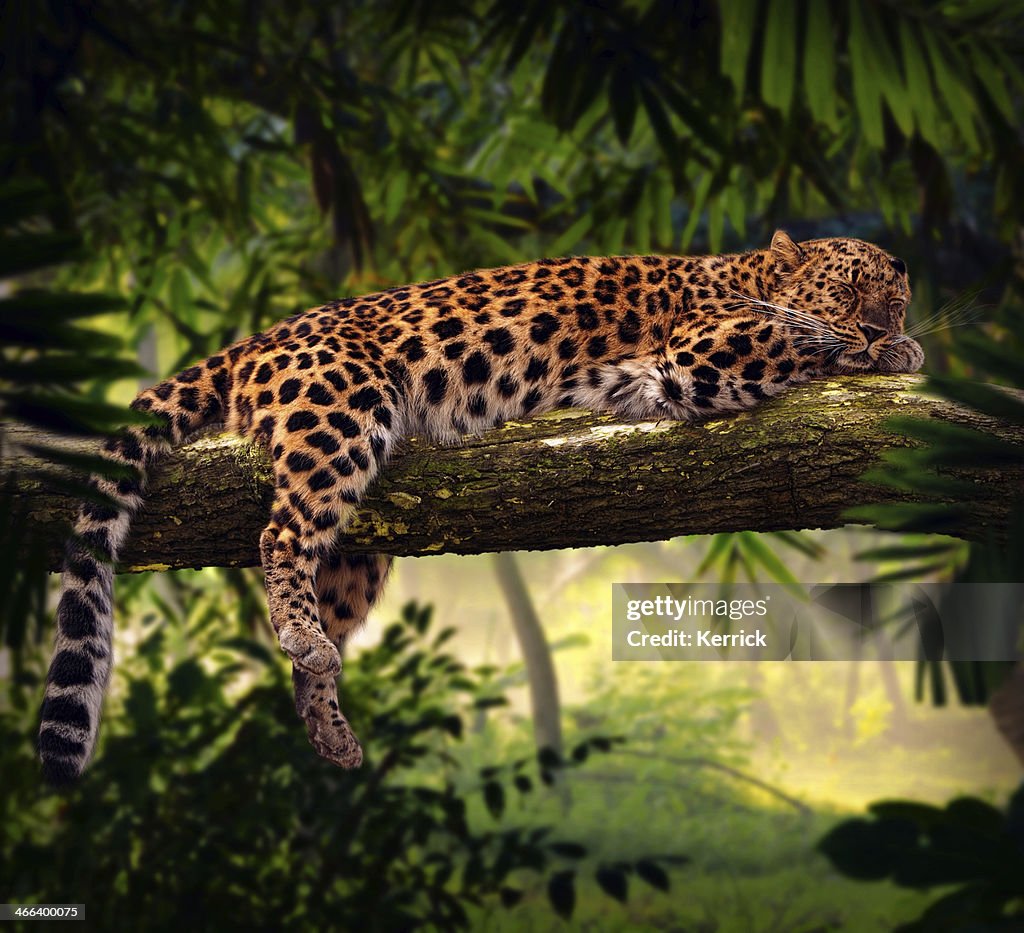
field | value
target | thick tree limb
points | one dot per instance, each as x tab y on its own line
567	479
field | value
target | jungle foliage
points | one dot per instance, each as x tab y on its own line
208	809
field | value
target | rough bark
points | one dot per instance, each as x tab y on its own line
566	479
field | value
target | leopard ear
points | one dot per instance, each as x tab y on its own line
788	254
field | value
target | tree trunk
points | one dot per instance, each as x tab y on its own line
889	672
566	479
1006	707
540	666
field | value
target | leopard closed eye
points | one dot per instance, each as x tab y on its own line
332	390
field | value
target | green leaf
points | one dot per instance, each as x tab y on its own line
395	198
735	204
503	250
716	224
700	197
914	572
186	252
695	116
613	236
720	544
992	78
497	218
758	552
642	215
778	56
1008	67
180	293
919	83
739	21
251	648
568	240
819	65
866	88
994	359
662	195
800	542
660	123
888	72
948	71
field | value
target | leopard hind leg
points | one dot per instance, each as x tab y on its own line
347	586
324	460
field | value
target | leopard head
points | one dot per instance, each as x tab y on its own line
844	300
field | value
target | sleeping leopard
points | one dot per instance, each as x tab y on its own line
331	391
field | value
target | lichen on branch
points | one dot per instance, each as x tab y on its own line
566	479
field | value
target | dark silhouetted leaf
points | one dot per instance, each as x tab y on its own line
653	874
562	893
494	797
613	882
568	849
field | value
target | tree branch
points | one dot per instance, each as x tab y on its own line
566	479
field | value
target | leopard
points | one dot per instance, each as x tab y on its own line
332	391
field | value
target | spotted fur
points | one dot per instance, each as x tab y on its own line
331	391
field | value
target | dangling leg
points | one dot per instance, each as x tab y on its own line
347	587
324	459
316	701
290	558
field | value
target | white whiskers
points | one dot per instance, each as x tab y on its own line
811	331
782	312
958	312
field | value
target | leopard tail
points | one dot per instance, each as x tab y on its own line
83	653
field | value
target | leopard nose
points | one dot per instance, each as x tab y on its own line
871	332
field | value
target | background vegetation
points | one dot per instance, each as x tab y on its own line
175	175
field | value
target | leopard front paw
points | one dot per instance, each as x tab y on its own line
310	650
